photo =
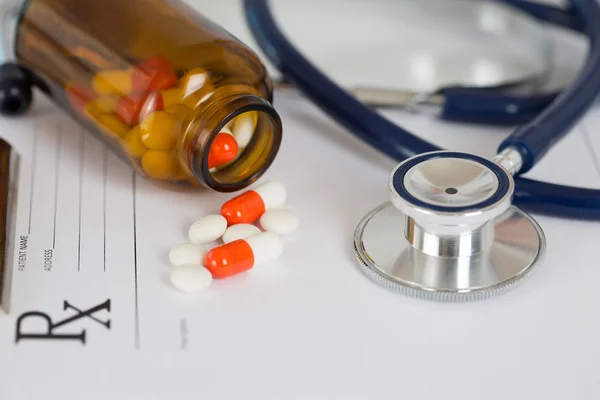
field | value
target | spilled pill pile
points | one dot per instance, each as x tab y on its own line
249	228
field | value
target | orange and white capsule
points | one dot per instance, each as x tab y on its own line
243	254
250	205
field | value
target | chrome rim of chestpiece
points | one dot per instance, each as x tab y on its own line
449	232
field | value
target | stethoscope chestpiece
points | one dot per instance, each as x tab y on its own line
450	232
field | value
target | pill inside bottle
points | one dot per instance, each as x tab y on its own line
175	96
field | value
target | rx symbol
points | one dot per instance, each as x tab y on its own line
49	333
87	313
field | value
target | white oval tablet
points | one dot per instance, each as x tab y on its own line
280	221
191	278
207	229
239	231
187	253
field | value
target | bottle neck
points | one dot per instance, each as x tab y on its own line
210	119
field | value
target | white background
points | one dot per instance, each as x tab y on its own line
310	325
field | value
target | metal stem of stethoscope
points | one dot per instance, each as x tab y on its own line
431	103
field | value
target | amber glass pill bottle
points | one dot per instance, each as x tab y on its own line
173	94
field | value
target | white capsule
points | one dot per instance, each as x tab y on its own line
279	221
243	128
266	247
207	229
191	278
272	193
187	253
239	231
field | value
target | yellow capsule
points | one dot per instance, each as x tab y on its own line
161	165
106	103
112	82
92	110
159	130
112	125
196	87
171	97
184	115
181	111
197	98
194	80
132	143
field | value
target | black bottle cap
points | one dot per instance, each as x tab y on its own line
16	93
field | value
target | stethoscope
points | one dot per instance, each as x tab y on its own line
451	231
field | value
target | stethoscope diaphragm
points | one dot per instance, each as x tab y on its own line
450	232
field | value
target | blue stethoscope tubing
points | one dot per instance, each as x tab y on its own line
533	139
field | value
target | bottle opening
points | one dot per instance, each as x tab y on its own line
240	148
254	135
